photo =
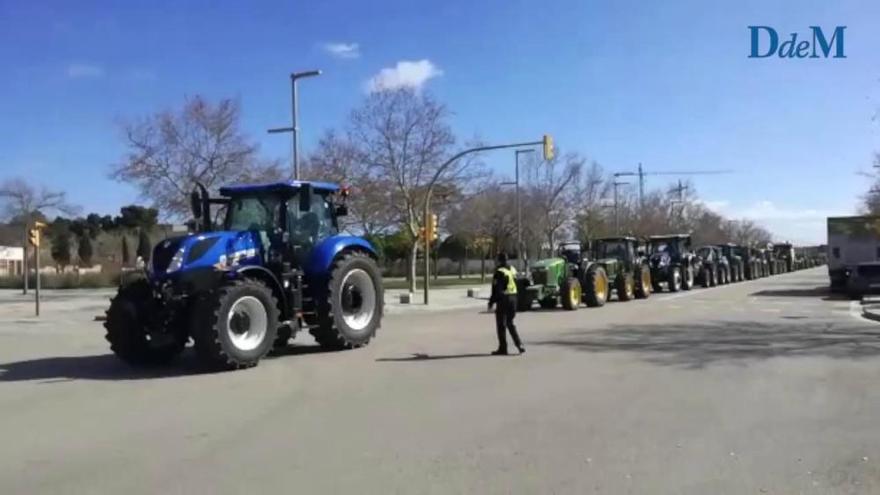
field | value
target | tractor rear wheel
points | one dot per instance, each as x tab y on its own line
706	278
571	294
643	282
235	325
127	332
351	310
597	287
624	285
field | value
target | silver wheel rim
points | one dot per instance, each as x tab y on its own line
676	278
358	299
247	323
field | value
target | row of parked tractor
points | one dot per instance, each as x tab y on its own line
631	268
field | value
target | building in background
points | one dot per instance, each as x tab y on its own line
11	261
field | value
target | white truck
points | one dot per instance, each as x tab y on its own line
854	254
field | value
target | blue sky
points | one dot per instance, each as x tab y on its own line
666	83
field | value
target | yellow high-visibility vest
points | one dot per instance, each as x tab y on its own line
510	273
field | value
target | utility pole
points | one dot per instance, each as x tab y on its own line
617	207
295	117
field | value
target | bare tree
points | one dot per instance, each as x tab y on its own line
371	205
23	202
171	150
591	195
871	199
550	187
405	138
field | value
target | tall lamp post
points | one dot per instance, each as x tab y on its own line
549	151
295	129
519	239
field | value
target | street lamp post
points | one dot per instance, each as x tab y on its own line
519	240
430	188
295	129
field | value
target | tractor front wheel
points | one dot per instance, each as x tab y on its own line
351	310
687	282
127	331
597	287
624	286
571	294
235	325
643	282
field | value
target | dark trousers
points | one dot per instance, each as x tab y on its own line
505	312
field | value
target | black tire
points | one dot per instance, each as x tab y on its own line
624	286
222	348
523	301
333	330
706	278
675	279
523	298
687	279
596	290
549	302
713	277
571	294
127	331
644	284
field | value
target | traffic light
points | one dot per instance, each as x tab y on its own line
432	227
549	153
34	237
422	234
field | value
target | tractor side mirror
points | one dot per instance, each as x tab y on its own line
341	210
305	198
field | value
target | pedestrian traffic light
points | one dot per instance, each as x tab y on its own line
432	227
549	152
34	237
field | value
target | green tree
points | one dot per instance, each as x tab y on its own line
137	217
84	251
60	237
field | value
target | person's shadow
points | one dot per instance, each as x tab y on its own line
109	367
418	356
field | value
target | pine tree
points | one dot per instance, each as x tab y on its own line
126	254
85	251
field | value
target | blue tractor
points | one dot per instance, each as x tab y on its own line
276	264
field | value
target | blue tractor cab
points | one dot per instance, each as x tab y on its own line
268	262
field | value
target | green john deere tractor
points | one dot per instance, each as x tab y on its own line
567	280
625	265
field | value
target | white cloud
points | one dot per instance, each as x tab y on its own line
405	74
342	50
798	225
80	70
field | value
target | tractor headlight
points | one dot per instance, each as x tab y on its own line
176	261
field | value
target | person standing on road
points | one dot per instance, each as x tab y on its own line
504	299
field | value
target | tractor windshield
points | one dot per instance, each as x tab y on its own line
664	246
259	213
613	249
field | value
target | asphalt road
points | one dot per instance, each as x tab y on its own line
760	387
